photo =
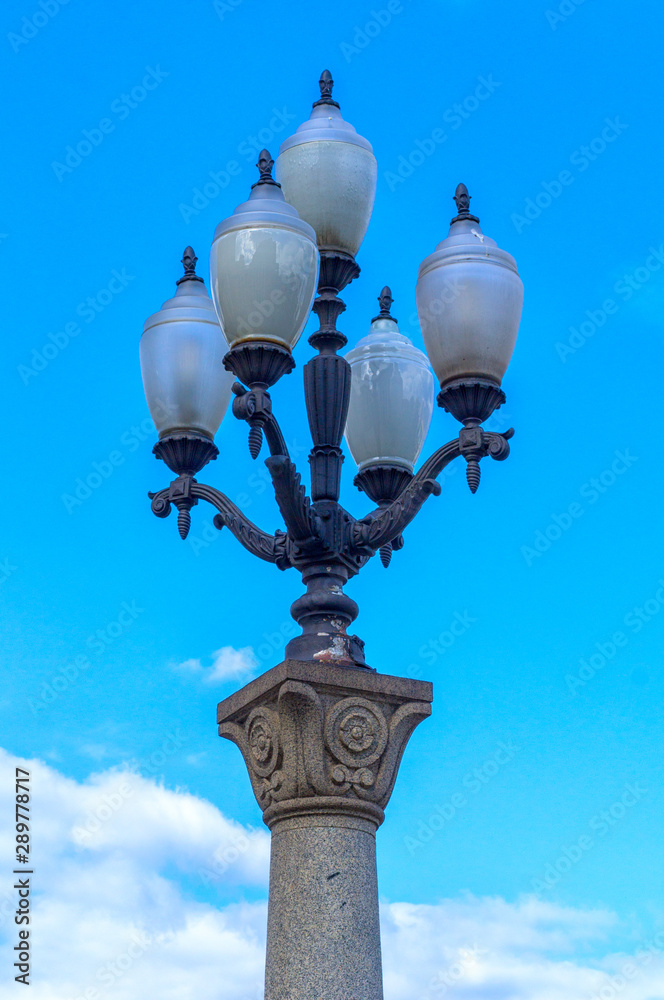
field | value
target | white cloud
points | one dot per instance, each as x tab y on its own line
489	948
119	860
106	917
228	663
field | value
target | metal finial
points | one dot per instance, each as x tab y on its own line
386	554
265	164
326	83
385	301
189	259
184	522
255	440
462	199
473	474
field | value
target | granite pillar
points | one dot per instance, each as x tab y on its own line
322	745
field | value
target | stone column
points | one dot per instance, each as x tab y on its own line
322	745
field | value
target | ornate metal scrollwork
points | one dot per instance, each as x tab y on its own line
322	540
386	523
271	548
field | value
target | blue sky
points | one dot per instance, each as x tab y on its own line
550	115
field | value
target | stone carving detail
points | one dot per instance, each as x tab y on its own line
263	738
264	748
356	732
306	743
345	776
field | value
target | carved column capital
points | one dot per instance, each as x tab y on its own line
321	739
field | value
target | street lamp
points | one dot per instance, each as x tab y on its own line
329	173
322	733
469	300
186	386
391	401
264	270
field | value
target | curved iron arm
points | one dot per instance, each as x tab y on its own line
271	548
386	523
255	406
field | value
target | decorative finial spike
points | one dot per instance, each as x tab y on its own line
264	165
462	199
326	83
386	554
255	441
385	301
184	522
473	475
189	260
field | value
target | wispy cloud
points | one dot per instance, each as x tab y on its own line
226	664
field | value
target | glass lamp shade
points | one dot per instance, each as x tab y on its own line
469	301
182	348
328	172
264	270
391	398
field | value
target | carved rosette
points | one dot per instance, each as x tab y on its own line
323	738
356	734
264	747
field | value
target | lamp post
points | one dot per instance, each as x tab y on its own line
322	733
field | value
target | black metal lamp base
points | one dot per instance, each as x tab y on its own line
383	483
471	400
259	365
186	454
337	269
